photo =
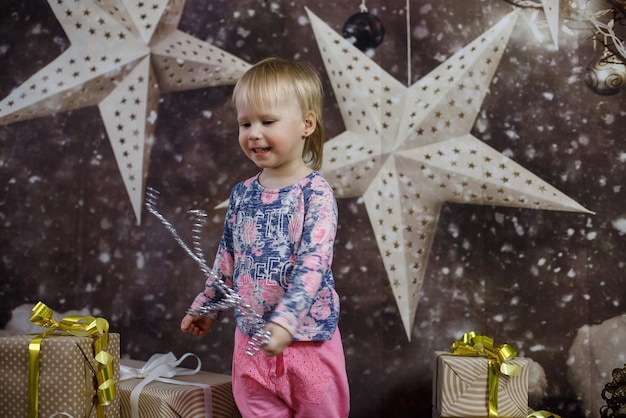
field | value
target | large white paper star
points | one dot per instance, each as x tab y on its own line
123	54
407	150
551	10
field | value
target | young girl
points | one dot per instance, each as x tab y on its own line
277	248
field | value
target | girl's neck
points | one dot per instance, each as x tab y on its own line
280	178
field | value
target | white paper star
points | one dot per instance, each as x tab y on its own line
407	150
551	10
123	54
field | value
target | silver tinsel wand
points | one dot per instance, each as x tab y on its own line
230	299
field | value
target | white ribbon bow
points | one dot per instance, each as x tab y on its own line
159	367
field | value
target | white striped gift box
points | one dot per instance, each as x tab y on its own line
166	400
460	388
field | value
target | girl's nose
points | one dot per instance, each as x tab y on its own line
254	132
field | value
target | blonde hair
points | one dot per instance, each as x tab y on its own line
273	80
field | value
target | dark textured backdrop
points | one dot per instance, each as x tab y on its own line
531	278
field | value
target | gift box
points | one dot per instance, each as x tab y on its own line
461	388
196	394
67	376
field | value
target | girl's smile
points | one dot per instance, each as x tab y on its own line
260	151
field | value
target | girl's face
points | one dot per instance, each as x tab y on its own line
273	136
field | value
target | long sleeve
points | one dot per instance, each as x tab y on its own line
276	252
223	265
306	298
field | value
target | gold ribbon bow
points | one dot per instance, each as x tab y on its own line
482	346
80	326
543	414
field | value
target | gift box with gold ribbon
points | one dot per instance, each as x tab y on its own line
70	369
160	388
478	379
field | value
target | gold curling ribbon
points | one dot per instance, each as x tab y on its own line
80	326
497	356
543	414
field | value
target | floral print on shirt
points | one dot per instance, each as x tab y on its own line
276	251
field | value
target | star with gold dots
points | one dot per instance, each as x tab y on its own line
407	150
123	55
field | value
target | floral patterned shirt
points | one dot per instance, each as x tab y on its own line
276	251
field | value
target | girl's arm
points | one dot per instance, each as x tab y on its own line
223	265
313	260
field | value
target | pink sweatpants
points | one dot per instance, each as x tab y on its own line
308	380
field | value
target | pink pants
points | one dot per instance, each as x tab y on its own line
308	380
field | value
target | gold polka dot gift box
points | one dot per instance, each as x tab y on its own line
479	380
69	370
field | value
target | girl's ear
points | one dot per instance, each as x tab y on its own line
310	121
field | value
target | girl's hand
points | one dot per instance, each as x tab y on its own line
197	325
281	338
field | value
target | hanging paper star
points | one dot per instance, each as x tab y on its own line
123	54
551	10
407	150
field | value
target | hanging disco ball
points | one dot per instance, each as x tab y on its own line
364	30
606	75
